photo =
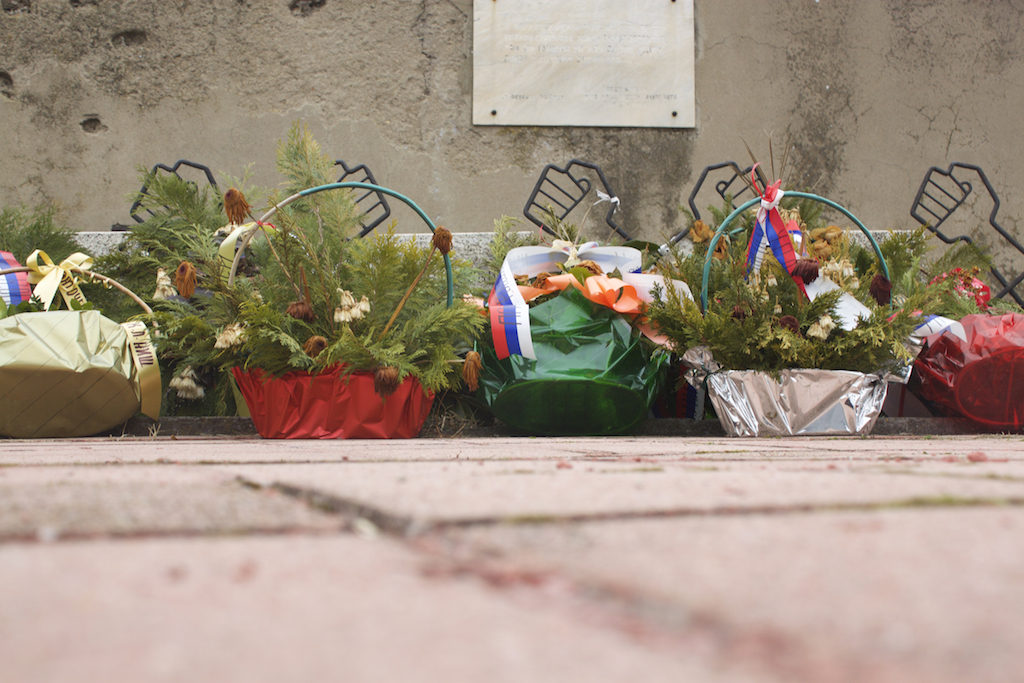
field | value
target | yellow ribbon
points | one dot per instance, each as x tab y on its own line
226	251
144	356
49	278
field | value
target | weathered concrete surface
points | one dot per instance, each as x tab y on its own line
869	94
645	558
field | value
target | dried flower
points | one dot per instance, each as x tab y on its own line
300	310
314	345
790	323
350	309
700	232
821	328
231	335
471	370
881	289
164	288
590	267
841	272
235	206
442	240
821	250
186	384
185	279
806	269
386	380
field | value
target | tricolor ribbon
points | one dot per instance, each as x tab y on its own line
49	278
769	229
14	287
507	304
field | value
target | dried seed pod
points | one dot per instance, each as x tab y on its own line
442	240
300	310
235	206
806	269
314	345
790	323
185	279
881	290
385	380
471	370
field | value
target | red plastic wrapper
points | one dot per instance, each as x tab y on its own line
982	378
331	405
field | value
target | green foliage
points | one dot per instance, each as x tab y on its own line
23	230
307	260
506	237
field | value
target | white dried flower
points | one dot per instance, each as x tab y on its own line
821	327
164	288
187	385
350	309
231	335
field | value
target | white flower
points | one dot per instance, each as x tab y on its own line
778	309
186	385
821	328
232	335
350	309
770	281
164	288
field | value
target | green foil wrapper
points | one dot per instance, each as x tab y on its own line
594	374
65	374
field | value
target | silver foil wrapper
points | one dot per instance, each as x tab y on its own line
798	402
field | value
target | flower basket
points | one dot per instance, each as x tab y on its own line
334	403
792	401
573	364
331	405
70	373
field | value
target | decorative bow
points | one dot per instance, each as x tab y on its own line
50	278
769	229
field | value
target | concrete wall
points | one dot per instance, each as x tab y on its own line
869	92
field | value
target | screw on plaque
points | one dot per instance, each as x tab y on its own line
143	191
559	190
373	206
942	192
732	186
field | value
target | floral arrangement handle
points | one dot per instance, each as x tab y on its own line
335	186
757	200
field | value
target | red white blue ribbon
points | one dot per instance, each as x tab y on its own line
769	230
14	287
510	314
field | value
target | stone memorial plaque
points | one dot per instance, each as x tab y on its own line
583	63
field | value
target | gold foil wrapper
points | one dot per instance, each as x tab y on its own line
72	373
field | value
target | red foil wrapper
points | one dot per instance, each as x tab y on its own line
982	378
331	405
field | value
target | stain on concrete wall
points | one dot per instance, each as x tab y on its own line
868	94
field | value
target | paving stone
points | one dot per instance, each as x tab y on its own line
902	595
305	609
54	502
